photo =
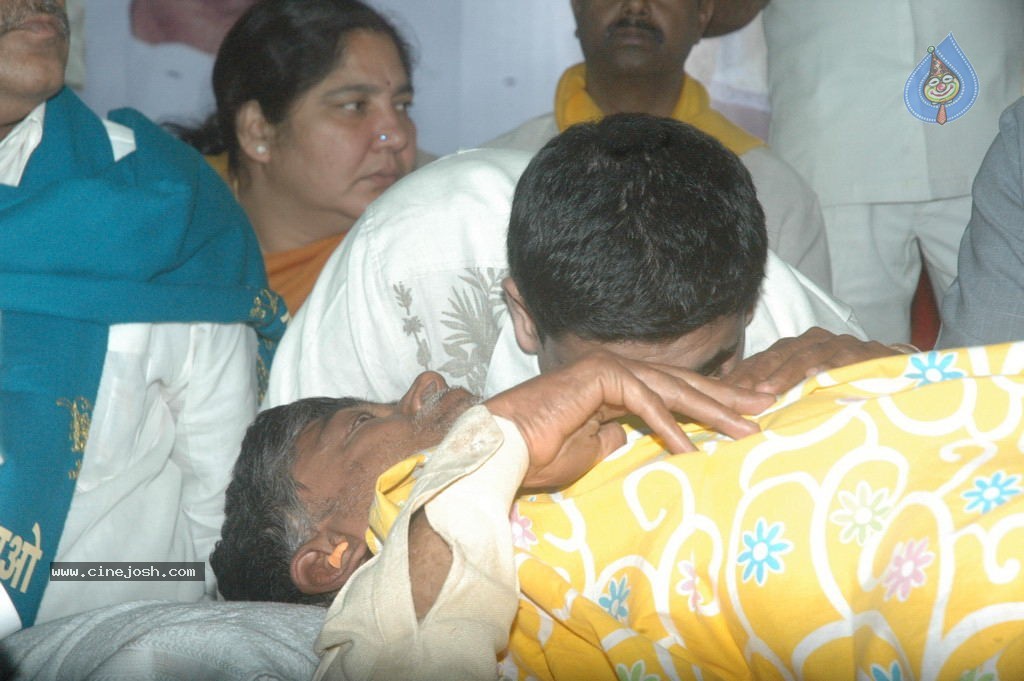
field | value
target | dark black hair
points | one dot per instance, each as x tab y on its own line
273	54
635	228
265	522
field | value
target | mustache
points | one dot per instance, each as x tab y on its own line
430	417
21	11
635	23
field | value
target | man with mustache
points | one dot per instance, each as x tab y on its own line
634	52
131	296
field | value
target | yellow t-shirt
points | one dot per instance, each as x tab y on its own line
874	529
574	105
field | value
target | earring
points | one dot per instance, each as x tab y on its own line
383	137
261	148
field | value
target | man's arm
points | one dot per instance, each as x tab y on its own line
985	304
432	563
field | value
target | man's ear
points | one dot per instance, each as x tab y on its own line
522	323
255	133
315	571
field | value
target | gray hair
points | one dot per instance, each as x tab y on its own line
265	522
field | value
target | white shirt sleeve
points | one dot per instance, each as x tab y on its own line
172	405
468	485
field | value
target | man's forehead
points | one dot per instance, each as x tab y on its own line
700	350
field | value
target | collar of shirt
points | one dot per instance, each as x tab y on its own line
17	147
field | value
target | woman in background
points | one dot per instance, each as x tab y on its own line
312	124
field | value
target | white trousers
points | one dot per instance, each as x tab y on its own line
876	251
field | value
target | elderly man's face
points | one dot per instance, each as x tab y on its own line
340	458
637	37
33	53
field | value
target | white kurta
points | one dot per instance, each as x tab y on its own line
416	286
172	406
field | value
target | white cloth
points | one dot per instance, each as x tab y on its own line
214	641
172	406
416	285
796	229
889	240
836	73
166	82
469	623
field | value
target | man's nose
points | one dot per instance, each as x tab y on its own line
426	384
635	8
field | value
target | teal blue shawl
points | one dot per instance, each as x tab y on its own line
85	243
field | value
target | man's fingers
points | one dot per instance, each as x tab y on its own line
700	399
791	360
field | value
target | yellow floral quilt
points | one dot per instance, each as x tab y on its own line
874	530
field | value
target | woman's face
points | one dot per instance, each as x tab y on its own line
349	137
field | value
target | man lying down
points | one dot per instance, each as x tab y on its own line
864	525
872	529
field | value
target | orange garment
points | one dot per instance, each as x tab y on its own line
293	273
290	273
574	105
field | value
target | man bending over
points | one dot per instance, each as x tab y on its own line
639	229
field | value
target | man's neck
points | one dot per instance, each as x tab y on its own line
651	94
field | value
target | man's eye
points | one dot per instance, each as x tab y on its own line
360	420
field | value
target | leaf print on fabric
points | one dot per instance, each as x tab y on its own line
933	367
978	675
906	569
764	546
894	673
988	493
638	672
474	318
862	513
412	325
614	602
522	529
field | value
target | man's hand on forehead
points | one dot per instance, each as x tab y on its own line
567	416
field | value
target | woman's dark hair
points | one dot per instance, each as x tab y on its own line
277	51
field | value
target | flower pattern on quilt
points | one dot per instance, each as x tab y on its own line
991	492
688	585
906	569
862	512
638	672
893	673
614	602
764	547
522	529
933	367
